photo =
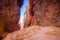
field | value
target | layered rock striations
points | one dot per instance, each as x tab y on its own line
42	13
9	15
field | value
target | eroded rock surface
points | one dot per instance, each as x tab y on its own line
9	15
45	14
42	13
35	33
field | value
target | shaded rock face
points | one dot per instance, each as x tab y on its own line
42	13
10	15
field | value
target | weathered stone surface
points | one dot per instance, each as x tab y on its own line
35	33
45	14
42	13
9	15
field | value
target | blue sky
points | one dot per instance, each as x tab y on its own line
22	10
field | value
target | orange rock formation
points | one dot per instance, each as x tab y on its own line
42	21
42	13
9	15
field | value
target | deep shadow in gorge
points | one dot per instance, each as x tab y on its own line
9	16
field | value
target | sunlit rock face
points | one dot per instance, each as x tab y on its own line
42	13
9	15
35	33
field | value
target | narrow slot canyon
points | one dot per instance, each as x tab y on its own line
29	19
22	11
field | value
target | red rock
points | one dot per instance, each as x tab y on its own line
9	15
45	14
42	13
35	33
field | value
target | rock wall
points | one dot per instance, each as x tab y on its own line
35	33
9	15
42	21
42	13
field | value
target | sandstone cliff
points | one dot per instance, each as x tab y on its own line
9	15
42	13
42	21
